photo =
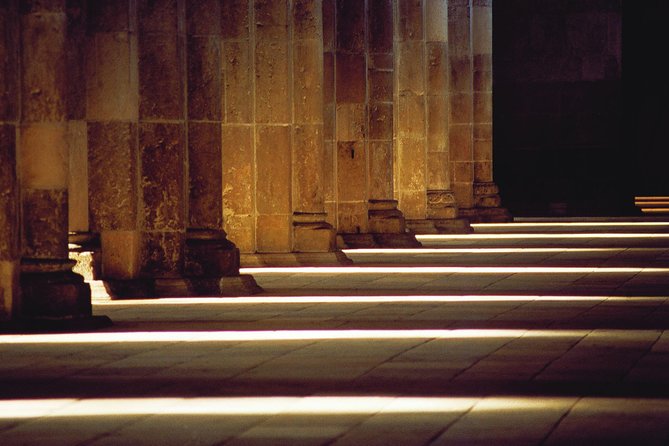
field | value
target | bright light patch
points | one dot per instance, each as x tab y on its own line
567	224
361	299
443	270
231	406
474	250
555	235
278	335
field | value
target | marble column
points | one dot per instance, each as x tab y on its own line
10	255
50	290
487	202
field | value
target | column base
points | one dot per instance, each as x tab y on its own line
332	258
51	291
311	233
487	205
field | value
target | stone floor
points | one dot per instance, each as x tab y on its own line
518	334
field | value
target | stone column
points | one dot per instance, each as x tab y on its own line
50	290
238	129
112	100
486	193
211	261
9	188
311	232
367	213
350	93
442	209
461	114
386	222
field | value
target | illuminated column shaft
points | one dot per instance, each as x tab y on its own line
486	193
112	101
49	287
410	96
461	114
311	232
9	188
351	126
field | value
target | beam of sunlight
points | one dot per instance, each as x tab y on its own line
568	224
254	300
231	406
444	270
276	335
551	235
474	250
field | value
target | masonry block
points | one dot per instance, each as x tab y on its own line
204	78
272	84
162	169
44	159
205	209
307	169
235	19
121	254
273	161
380	169
44	223
112	151
238	90
274	233
162	254
238	169
351	171
161	93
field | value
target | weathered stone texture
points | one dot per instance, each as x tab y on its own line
75	58
108	16
329	30
238	89
157	16
238	170
273	161
9	219
112	88
351	170
162	170
44	156
235	19
9	44
380	85
160	77
162	254
350	25
241	230
436	20
112	175
272	82
411	115
307	168
437	66
410	67
307	19
78	176
351	122
274	233
271	19
380	19
381	121
120	254
380	169
203	17
437	170
204	168
44	223
410	19
352	217
43	67
204	78
351	78
437	124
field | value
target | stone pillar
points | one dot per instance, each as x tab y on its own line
424	180
311	232
50	290
487	201
461	114
386	222
367	213
442	209
112	100
9	188
350	92
211	261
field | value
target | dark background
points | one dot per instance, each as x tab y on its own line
580	105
